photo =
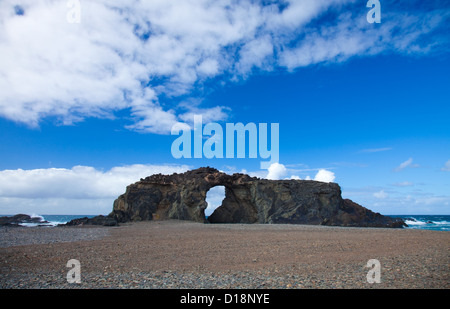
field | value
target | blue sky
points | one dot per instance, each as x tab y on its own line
86	108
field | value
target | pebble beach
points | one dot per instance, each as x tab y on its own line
179	254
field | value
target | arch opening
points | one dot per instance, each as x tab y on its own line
214	199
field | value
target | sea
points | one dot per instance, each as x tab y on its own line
426	222
53	220
420	222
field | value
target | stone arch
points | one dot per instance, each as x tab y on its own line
247	200
237	207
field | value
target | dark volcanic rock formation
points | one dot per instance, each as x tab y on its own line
98	220
247	200
20	219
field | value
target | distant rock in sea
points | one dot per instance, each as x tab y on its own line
98	220
21	220
247	200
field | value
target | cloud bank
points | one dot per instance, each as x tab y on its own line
278	171
399	201
79	190
143	56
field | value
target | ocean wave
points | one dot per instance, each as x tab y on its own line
431	222
424	221
410	222
35	220
442	222
42	221
36	216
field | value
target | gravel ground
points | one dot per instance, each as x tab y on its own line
18	236
178	254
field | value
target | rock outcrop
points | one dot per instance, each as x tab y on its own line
22	220
97	220
247	200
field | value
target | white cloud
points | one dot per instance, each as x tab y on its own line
279	171
380	195
372	150
446	167
403	165
64	187
55	206
276	171
404	184
300	171
214	198
324	176
213	114
387	201
139	55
